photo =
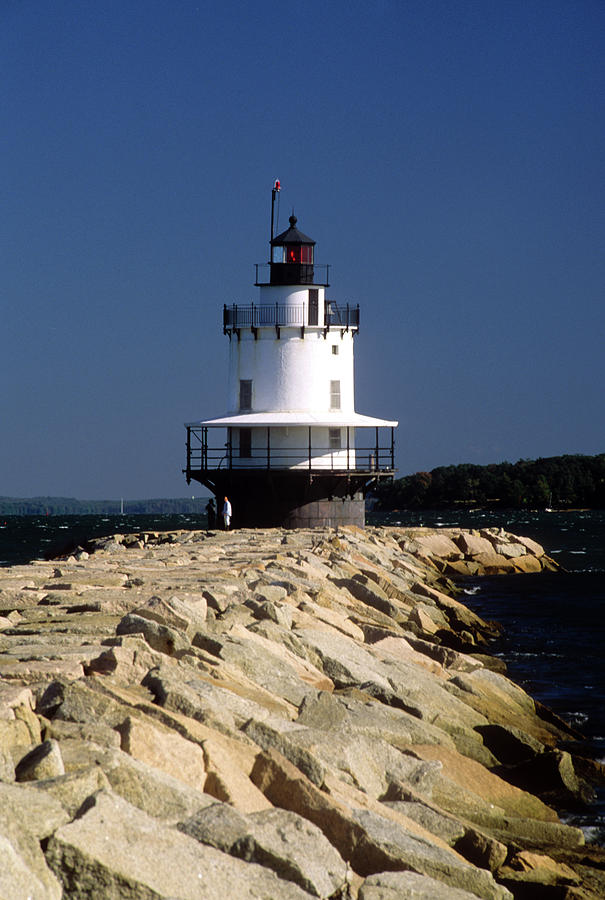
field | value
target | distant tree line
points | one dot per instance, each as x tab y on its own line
558	481
67	506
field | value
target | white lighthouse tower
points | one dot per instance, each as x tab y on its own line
291	450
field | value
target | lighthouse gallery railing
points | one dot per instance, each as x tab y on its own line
277	314
376	457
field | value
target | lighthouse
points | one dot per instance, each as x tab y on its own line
291	450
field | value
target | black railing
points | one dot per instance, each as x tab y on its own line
281	316
377	457
346	316
256	316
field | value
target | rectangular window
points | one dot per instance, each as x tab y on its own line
335	439
245	442
335	349
335	395
245	394
313	306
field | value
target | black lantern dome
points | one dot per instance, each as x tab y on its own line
292	256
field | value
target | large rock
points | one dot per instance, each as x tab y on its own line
466	788
19	727
73	789
368	841
501	702
27	817
186	613
364	715
472	544
23	874
77	702
115	850
426	544
409	886
390	846
221	704
227	776
261	665
368	592
150	789
282	736
160	637
291	846
164	750
43	761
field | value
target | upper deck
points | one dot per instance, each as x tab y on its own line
281	315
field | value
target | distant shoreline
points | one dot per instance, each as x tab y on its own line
68	506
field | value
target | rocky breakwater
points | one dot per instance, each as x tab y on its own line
271	714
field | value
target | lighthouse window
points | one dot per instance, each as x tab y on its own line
335	395
245	442
245	394
335	438
298	253
313	306
335	349
278	255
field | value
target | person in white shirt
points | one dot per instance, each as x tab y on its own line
227	513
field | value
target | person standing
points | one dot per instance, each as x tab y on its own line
227	513
211	513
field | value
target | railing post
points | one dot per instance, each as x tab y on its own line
348	446
392	448
229	448
309	449
188	454
268	446
377	451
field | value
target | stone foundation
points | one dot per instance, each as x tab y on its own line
328	514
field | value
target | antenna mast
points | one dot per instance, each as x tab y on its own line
274	192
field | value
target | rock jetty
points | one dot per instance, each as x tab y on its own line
278	714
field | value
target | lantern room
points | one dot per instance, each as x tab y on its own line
292	256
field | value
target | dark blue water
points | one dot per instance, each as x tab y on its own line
554	625
23	538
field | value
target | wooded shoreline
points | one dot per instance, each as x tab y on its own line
562	482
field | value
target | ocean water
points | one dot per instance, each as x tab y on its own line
554	625
23	538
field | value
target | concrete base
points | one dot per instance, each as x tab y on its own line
322	513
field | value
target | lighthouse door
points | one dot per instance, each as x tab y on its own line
313	306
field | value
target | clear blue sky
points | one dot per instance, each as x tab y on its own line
448	158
